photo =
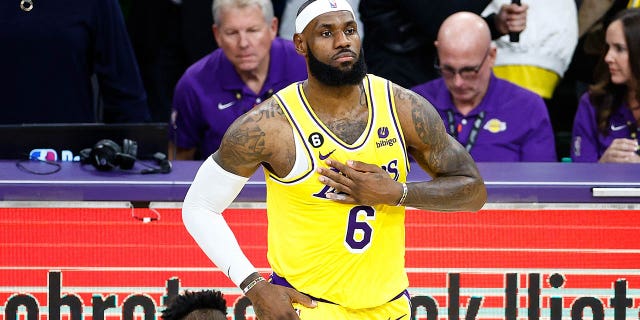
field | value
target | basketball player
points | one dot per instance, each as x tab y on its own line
334	150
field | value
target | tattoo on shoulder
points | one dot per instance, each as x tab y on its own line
423	120
245	141
270	110
428	126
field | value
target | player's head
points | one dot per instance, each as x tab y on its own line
327	36
311	9
199	305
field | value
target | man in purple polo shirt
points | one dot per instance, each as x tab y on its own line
494	119
248	67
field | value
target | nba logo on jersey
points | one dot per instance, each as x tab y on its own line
333	4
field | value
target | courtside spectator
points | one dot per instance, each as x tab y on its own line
400	33
250	65
605	128
494	119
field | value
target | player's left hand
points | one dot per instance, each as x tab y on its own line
360	183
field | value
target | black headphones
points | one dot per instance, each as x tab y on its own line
164	165
106	155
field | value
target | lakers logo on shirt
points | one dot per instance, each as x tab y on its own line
495	125
577	146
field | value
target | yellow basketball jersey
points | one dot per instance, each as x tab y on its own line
352	255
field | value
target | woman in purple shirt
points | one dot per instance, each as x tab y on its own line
606	123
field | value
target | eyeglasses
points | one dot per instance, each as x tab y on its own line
466	73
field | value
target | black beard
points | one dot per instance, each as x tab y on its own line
335	77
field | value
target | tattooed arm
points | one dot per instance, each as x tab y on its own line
457	184
258	137
261	136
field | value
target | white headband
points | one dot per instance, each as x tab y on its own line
319	7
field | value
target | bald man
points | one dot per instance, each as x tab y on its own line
493	119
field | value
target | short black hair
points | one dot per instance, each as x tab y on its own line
182	305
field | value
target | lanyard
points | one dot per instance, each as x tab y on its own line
473	135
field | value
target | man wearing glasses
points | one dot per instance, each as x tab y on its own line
494	119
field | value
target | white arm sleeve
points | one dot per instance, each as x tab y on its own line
212	191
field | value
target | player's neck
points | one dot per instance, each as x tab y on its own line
322	95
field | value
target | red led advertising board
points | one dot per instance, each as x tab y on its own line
122	264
